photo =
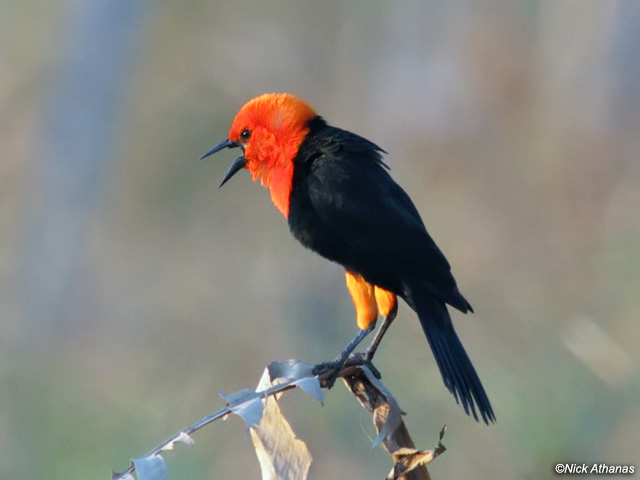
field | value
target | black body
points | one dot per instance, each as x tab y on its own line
345	206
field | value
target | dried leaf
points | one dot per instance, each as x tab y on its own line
408	459
182	438
289	370
300	373
311	386
151	468
238	397
281	454
247	404
394	414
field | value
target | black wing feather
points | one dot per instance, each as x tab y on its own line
370	224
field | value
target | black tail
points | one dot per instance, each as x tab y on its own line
457	371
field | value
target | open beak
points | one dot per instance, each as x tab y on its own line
236	166
223	144
233	169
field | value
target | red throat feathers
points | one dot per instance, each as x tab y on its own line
277	125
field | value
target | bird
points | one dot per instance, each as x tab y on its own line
341	202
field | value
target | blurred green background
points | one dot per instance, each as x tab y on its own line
133	290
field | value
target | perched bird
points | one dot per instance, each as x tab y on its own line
341	202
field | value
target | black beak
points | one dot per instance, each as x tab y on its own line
223	144
235	166
233	169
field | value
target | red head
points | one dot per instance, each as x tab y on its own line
269	129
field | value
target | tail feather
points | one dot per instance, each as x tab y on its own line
456	368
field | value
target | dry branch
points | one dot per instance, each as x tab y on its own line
277	447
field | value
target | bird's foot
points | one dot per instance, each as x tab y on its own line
365	358
327	372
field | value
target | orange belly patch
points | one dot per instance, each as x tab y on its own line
387	301
369	300
364	299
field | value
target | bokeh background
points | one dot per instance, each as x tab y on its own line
133	290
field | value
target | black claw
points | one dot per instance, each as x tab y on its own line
328	370
357	359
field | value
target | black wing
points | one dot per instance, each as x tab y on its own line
370	219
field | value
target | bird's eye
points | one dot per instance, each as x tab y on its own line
245	134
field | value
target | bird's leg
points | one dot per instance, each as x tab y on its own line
387	305
366	357
375	343
336	365
367	299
